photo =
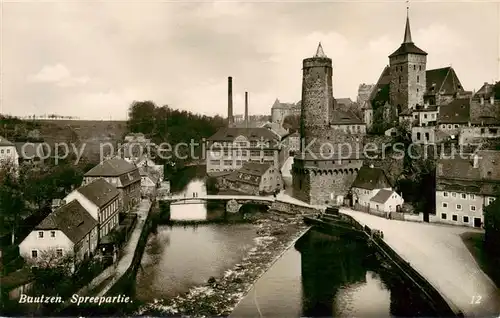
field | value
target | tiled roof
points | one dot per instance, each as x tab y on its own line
486	114
229	134
371	178
345	118
463	168
408	48
382	196
72	219
4	142
32	150
130	177
111	168
344	101
456	112
384	80
442	80
100	192
486	91
250	173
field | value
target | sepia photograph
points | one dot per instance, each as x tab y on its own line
249	158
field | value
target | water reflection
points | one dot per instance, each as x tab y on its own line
181	257
190	210
325	276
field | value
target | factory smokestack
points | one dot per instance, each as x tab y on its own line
246	109
230	119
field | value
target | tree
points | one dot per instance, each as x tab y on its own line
492	226
292	122
11	199
141	117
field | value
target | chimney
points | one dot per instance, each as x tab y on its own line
230	119
492	100
246	109
475	161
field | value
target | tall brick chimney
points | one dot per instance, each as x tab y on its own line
230	118
246	109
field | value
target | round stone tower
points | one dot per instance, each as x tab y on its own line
323	170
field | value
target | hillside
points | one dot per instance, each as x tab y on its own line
92	133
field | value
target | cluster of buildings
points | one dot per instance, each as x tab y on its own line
434	105
84	223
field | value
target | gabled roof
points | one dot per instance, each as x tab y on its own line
486	91
382	196
130	177
442	80
340	117
72	219
486	114
4	142
463	168
230	133
28	150
100	192
383	81
250	173
371	178
111	168
456	112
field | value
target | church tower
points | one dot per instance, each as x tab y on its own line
328	160
407	66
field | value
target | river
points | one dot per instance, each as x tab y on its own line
320	276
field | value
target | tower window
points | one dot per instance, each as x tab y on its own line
420	67
414	67
417	90
400	79
418	79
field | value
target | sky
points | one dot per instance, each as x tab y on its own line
92	59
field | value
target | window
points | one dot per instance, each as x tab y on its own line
456	126
418	79
418	136
445	194
59	252
417	90
443	216
445	205
400	79
414	67
426	136
453	194
473	208
464	196
466	219
472	197
52	233
490	200
449	126
420	67
459	207
40	234
454	217
482	130
34	253
425	116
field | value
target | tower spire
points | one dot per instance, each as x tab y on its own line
319	51
407	38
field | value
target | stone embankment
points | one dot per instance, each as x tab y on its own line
220	295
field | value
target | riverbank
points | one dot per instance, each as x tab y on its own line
490	265
220	295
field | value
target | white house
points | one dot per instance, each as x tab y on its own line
8	152
386	201
70	230
465	186
369	181
149	181
102	201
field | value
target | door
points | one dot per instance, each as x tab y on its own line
477	222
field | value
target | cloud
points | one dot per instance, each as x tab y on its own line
57	74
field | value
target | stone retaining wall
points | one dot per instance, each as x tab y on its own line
291	208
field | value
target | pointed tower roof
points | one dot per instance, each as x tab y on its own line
319	51
407	47
407	38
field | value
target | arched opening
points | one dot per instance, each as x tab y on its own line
330	172
345	171
351	171
336	172
356	170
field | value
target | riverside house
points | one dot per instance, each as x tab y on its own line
121	174
102	201
69	230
